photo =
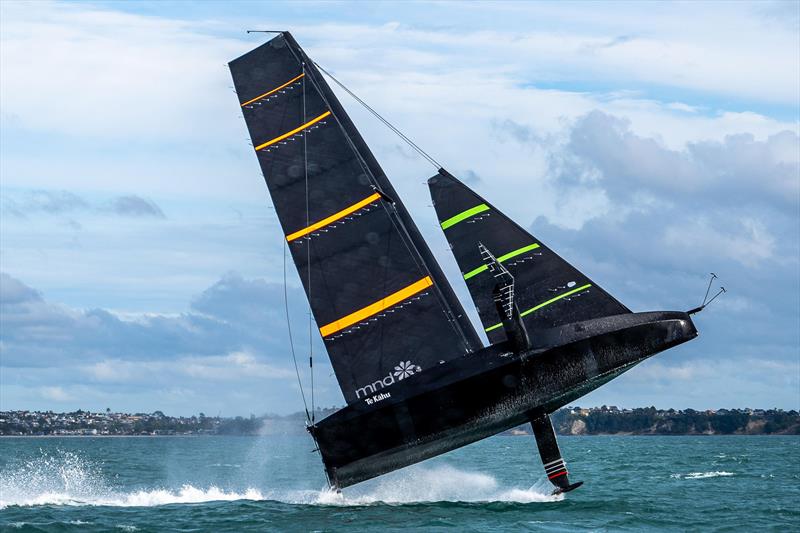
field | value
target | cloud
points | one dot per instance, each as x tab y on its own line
21	204
737	167
51	202
242	366
57	394
737	382
40	333
236	300
747	242
119	74
646	158
234	339
13	292
136	207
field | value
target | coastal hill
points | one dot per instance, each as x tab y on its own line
568	421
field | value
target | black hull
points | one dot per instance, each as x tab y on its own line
487	392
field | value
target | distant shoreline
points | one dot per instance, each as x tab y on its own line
601	421
298	433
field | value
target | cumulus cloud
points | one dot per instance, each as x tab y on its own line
747	242
229	377
13	292
736	167
232	340
39	333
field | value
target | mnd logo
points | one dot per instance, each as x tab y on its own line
401	371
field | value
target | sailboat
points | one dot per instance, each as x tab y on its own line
417	379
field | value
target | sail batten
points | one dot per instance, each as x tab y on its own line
372	283
298	129
273	91
549	291
375	308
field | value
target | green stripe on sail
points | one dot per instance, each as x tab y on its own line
544	304
452	221
555	299
517	252
506	257
475	272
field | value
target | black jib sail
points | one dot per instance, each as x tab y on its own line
380	300
548	291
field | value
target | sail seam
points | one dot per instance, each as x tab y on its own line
334	217
506	257
273	91
377	307
452	221
290	133
544	304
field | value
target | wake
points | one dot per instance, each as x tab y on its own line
66	479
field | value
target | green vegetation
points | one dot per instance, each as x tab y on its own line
568	421
652	421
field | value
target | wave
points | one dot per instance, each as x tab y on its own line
141	498
701	475
64	478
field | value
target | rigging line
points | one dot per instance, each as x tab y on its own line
396	220
301	59
289	326
377	115
391	213
708	289
394	217
308	255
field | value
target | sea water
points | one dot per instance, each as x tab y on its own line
275	483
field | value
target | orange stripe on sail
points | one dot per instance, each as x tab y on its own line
296	130
377	307
276	89
334	217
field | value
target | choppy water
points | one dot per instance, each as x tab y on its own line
276	483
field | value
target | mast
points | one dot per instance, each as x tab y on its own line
380	300
451	302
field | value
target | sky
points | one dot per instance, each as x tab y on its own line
142	263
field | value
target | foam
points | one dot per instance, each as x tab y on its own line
704	475
420	485
64	478
701	475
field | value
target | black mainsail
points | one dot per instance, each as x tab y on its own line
394	330
379	298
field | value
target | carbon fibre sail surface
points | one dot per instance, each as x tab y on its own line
549	292
380	300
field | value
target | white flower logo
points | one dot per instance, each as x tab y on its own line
405	369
